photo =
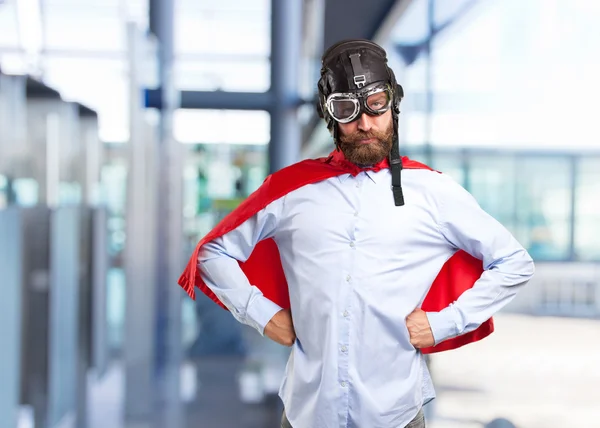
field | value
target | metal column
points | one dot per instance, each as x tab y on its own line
140	296
286	51
11	254
429	84
169	261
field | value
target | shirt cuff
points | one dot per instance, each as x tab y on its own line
442	325
260	312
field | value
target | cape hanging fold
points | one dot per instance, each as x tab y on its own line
263	267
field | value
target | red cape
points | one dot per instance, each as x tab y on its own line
264	270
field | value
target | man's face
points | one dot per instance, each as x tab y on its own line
367	140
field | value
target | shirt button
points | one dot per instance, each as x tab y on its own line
344	348
357	185
348	278
343	384
346	313
356	214
352	244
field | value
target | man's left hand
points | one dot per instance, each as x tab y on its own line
419	329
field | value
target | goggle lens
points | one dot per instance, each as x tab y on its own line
379	101
344	109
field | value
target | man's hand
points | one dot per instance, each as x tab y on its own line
280	328
419	329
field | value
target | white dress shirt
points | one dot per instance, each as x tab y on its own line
356	266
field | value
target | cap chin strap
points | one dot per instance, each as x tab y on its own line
396	165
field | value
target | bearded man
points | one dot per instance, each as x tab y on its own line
361	262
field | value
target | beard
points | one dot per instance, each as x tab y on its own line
370	153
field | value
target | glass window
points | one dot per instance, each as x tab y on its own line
227	27
13	63
543	196
446	10
225	74
9	36
465	79
100	84
84	27
413	26
223	45
492	73
473	129
491	180
413	152
587	209
450	164
221	126
26	191
3	192
412	128
217	177
413	79
413	118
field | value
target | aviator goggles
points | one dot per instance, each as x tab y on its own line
346	107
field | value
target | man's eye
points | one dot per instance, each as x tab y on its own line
377	102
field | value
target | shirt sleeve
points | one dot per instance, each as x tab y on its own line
219	268
507	265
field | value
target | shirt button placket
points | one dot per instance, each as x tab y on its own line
345	327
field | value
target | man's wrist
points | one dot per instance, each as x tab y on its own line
260	312
442	325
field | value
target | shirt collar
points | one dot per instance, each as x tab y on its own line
337	157
368	172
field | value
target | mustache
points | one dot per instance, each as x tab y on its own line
356	136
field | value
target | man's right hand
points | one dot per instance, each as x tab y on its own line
280	328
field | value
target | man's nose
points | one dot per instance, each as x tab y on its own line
365	122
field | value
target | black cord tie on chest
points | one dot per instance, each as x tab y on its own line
396	169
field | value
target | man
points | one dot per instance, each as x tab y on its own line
359	251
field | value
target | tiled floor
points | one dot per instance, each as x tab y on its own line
218	404
535	372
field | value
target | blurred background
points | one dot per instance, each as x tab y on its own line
128	128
